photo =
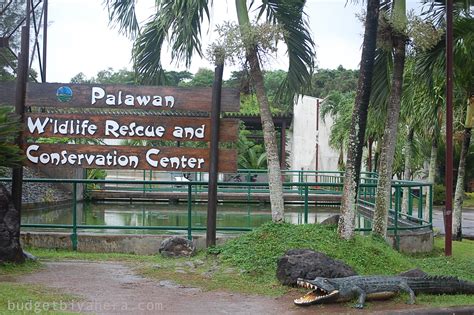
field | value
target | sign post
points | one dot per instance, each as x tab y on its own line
214	157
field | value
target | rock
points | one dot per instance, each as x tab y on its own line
332	220
198	262
177	247
29	256
180	271
414	273
189	264
308	264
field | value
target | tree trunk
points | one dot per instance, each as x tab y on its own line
382	197
431	173
459	192
378	148
408	168
369	154
358	123
269	134
10	248
269	138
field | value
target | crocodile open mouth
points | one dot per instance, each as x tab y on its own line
316	295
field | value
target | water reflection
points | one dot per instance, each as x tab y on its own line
164	214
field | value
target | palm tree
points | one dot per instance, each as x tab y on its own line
338	106
10	156
397	30
430	64
358	123
179	23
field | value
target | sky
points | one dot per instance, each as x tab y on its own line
80	38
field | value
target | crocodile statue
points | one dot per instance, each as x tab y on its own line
329	290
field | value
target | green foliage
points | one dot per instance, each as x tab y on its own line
439	194
202	78
250	154
325	81
174	78
338	106
10	154
107	76
96	173
469	200
249	105
9	20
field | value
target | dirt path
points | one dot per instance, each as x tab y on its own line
111	288
114	288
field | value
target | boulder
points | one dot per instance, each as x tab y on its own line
29	256
308	264
177	247
332	220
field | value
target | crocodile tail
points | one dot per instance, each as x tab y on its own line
440	285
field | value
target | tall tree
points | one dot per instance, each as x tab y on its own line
430	64
358	123
396	28
178	22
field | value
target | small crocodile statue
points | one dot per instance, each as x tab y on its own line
328	290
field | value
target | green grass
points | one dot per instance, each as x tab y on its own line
16	298
259	250
61	254
248	263
13	269
469	200
31	299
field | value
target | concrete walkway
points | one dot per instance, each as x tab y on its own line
467	221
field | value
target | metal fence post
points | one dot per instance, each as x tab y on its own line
420	204
397	206
431	203
190	205
74	216
306	203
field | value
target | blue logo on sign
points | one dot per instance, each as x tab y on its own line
64	94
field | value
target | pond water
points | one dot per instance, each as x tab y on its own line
164	214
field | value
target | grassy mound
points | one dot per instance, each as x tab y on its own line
257	252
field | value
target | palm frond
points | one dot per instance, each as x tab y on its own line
301	53
435	10
122	15
381	81
177	22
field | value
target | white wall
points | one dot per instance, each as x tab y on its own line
304	137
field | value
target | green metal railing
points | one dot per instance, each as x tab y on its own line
309	192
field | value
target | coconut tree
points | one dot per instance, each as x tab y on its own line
178	22
338	106
346	225
396	31
10	156
433	62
